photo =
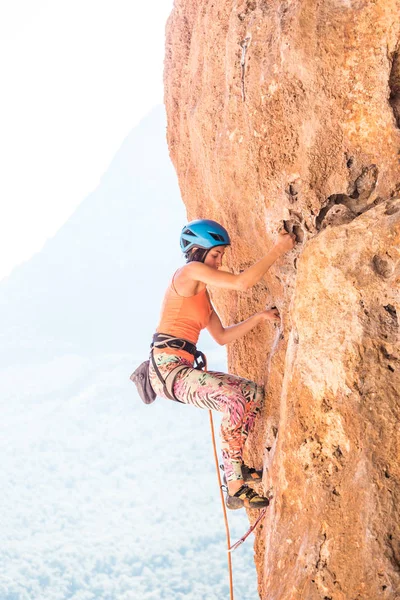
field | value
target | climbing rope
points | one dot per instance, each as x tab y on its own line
228	537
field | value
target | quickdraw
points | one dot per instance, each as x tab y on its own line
248	532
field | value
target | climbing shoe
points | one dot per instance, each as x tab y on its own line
232	502
253	500
249	474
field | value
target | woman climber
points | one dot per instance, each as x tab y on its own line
187	310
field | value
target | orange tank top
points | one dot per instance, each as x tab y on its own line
184	317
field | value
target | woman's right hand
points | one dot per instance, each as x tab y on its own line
271	314
285	242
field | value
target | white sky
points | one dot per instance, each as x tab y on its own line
76	76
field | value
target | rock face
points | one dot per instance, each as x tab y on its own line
287	113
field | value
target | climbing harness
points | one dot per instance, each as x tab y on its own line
164	340
141	377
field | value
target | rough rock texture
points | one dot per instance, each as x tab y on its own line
287	112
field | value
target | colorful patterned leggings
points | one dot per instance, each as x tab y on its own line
238	399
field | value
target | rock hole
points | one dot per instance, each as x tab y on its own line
392	210
275	431
308	227
331	201
390	368
250	6
394	85
350	162
387	354
378	200
293	190
338	453
384	587
326	406
287	226
296	216
365	183
337	212
392	207
268	448
382	266
387	474
299	233
391	310
321	216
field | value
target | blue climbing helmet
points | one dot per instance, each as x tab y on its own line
203	233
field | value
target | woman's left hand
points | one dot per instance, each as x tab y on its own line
271	315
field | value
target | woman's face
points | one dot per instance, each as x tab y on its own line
215	256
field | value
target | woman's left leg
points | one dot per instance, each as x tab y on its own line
251	391
238	399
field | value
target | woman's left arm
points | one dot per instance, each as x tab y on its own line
224	335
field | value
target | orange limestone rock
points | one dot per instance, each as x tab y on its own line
287	113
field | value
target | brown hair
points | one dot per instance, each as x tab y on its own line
197	254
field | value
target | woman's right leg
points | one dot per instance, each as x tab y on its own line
205	390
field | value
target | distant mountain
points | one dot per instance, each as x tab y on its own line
97	285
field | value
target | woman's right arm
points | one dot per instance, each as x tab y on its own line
245	280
